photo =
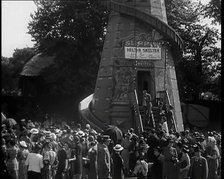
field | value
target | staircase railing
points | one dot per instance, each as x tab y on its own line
174	121
138	117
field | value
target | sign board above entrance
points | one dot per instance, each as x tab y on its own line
144	53
142	47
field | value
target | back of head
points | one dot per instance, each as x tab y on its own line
12	142
78	125
76	139
36	148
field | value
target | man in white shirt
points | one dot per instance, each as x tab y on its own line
34	162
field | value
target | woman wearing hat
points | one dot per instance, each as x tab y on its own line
22	155
118	163
24	137
212	155
143	148
199	165
11	159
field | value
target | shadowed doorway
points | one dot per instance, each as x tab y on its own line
144	82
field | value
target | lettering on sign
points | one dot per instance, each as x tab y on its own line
151	53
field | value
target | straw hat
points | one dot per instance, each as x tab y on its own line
80	133
23	120
53	136
118	148
144	146
23	144
87	126
34	131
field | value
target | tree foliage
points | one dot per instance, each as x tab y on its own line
199	69
74	32
11	67
213	10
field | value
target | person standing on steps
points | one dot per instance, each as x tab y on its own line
147	106
169	117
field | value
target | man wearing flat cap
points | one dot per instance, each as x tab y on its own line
199	165
104	159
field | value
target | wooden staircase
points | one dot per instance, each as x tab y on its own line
138	125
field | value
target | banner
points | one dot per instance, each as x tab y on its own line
145	53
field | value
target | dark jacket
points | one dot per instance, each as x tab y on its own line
103	161
78	162
199	168
156	171
118	166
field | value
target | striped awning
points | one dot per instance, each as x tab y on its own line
36	64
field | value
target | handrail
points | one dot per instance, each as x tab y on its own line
137	112
168	99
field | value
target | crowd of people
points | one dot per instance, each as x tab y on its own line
35	150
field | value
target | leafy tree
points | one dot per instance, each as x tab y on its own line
213	10
7	81
11	67
73	31
198	70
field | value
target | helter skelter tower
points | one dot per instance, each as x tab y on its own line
138	54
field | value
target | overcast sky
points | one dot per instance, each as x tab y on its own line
15	18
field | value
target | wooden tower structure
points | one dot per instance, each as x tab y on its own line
139	54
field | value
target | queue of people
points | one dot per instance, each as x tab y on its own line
157	112
34	151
